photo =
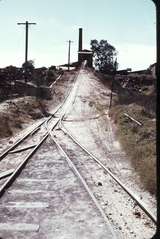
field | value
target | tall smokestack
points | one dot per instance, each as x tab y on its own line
80	40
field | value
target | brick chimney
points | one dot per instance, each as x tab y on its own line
80	40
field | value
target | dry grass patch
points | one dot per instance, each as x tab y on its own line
15	114
139	142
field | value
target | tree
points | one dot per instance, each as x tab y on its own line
28	65
104	55
53	68
28	68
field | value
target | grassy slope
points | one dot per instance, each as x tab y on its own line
139	142
15	113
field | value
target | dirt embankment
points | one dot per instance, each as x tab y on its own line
15	114
139	142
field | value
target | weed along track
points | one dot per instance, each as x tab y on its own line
59	189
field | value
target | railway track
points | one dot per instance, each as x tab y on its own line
34	129
46	131
70	159
19	148
83	181
26	169
21	166
134	197
114	177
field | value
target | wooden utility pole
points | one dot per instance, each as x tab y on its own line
112	83
69	53
26	37
111	94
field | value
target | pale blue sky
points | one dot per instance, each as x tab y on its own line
129	25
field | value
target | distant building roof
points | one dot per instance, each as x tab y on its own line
85	51
139	72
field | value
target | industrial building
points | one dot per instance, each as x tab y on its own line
84	54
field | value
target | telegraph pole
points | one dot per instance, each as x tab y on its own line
26	37
112	83
69	53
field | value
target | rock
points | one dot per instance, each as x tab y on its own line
147	223
137	214
91	103
99	184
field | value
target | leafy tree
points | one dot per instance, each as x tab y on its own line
53	68
29	65
28	68
104	55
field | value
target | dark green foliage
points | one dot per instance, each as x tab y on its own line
29	65
53	68
104	55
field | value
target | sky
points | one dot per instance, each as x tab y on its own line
128	25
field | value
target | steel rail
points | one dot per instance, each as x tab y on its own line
19	141
20	167
59	77
23	163
63	103
34	130
75	78
125	188
82	180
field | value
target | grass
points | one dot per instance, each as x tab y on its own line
16	113
139	142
